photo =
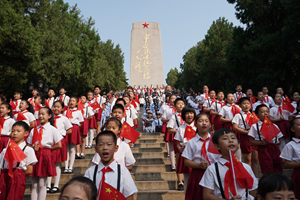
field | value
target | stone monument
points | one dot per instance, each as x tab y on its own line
146	64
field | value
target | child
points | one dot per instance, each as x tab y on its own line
108	170
215	109
275	186
280	91
239	94
204	96
280	117
124	155
101	101
85	130
149	122
296	98
174	123
11	189
268	99
268	152
27	111
188	116
37	104
64	127
34	93
50	140
17	100
291	154
79	188
252	98
92	122
260	100
207	105
197	156
75	117
130	112
240	124
63	97
6	114
215	180
228	111
157	123
50	100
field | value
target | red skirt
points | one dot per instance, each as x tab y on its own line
218	123
246	147
12	189
194	190
99	114
175	146
228	125
60	155
3	142
84	127
45	166
296	181
164	128
93	122
168	137
269	159
284	128
74	137
181	168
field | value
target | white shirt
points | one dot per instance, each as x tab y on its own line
291	151
236	96
66	99
29	116
130	116
7	126
63	124
50	136
259	103
127	186
218	107
100	99
123	156
29	160
172	123
226	111
77	116
276	115
253	133
142	100
207	103
169	112
179	136
17	103
163	109
88	111
203	98
239	121
192	151
269	100
210	180
51	102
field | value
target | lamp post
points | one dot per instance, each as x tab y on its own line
41	86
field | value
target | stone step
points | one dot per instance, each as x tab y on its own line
80	163
151	168
153	149
48	197
154	176
143	137
156	185
138	141
152	161
150	155
149	145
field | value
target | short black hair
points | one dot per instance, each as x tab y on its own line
112	119
259	92
178	99
23	124
62	87
20	93
51	89
35	88
187	109
60	102
219	133
97	86
126	94
243	99
274	182
108	133
238	85
218	91
258	107
118	106
120	99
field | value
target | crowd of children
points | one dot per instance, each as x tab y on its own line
206	135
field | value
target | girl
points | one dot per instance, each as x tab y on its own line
93	120
275	186
215	109
27	111
280	91
252	98
63	126
295	98
280	117
49	140
75	117
188	116
296	114
291	154
206	107
6	123
260	100
197	157
37	104
164	125
79	188
168	113
229	111
124	155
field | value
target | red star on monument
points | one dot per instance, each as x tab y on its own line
145	25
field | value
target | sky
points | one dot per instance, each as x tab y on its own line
182	23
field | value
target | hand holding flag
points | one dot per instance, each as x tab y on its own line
253	119
286	105
95	105
269	130
13	105
129	133
189	133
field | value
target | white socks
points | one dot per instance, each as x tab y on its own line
38	188
71	156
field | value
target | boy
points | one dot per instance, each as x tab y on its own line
268	99
239	94
51	94
34	93
108	170
157	122
241	126
118	112
14	188
149	122
130	112
204	96
17	100
260	100
268	152
215	175
63	97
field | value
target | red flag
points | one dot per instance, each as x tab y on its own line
21	117
35	136
253	119
189	133
37	107
133	103
288	99
69	114
253	98
13	105
211	147
235	110
129	133
80	105
13	154
95	105
286	105
2	120
137	98
47	103
108	192
269	130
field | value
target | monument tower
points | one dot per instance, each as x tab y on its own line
146	64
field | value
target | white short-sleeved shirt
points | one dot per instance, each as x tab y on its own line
17	103
31	100
291	151
77	116
88	111
294	103
65	98
210	180
253	133
123	156
29	160
169	112
50	136
236	96
172	123
29	116
99	99
130	115
192	150
269	100
51	102
226	111
259	103
276	115
127	185
63	124
163	109
179	136
207	103
202	97
7	126
237	119
217	106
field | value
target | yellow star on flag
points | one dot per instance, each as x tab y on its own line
108	190
266	121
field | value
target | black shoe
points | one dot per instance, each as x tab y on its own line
54	190
77	157
82	157
180	187
48	189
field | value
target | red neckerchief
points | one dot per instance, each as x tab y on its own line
266	96
234	109
181	120
222	103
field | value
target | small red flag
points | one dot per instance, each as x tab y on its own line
253	98
253	119
80	105
13	105
13	154
47	103
129	133
269	130
69	114
286	105
110	193
211	147
288	99
95	105
21	117
189	133
37	107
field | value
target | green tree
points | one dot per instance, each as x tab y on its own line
172	77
